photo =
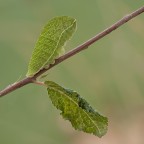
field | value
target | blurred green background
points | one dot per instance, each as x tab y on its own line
109	75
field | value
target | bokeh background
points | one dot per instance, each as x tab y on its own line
109	75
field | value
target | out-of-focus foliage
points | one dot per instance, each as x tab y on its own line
110	74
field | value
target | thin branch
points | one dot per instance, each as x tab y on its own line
81	47
100	35
15	86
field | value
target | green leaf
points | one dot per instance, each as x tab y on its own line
75	109
50	43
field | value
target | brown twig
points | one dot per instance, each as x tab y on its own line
81	47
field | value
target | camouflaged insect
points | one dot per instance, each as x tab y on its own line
50	44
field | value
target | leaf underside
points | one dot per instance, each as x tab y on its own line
77	110
50	43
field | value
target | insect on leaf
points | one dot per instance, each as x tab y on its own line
50	44
77	110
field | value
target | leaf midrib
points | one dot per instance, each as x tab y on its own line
79	107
